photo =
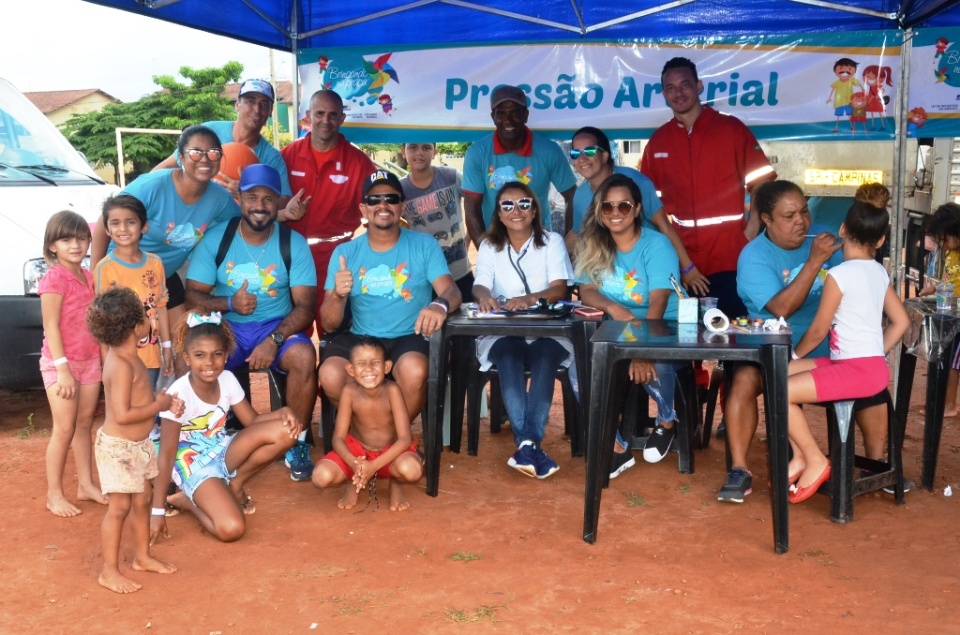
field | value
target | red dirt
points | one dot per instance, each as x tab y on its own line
495	552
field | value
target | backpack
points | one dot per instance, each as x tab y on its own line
231	231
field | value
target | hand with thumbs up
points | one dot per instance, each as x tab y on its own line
343	279
243	301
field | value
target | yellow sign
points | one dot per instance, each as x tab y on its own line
851	178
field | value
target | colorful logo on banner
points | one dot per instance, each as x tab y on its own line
358	80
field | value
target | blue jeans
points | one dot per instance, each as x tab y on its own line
661	391
528	409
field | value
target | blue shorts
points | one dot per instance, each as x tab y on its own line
212	467
843	111
248	336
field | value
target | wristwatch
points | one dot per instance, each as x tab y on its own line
278	338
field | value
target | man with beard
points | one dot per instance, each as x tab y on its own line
264	283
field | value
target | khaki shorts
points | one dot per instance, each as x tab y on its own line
124	465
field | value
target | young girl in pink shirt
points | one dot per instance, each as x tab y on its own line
69	360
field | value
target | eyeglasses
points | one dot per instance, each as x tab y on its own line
376	199
196	154
589	151
624	207
524	205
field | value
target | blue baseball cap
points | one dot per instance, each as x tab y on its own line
260	175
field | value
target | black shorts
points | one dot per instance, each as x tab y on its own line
176	293
395	347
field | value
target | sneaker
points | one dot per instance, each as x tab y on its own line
546	467
523	460
908	485
298	460
658	443
620	463
739	483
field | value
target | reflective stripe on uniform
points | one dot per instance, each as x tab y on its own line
712	220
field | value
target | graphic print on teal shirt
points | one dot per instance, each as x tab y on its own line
498	177
624	287
383	281
258	280
183	236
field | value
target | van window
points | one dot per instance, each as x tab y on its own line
31	151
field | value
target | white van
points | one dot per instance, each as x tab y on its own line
40	174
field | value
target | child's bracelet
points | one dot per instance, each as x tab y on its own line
167	344
60	361
230	303
158	511
688	268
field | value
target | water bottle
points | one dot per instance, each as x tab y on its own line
944	297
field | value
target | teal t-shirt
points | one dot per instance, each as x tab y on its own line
485	172
764	269
261	266
645	268
390	287
175	227
583	197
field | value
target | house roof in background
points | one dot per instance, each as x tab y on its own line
52	100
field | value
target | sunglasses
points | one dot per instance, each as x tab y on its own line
589	151
624	207
376	199
196	154
524	205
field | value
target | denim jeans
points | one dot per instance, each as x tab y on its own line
528	409
661	391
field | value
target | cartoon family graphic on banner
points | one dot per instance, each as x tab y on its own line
855	100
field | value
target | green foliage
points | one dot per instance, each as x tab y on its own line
452	149
174	106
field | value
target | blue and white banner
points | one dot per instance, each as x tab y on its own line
801	87
933	102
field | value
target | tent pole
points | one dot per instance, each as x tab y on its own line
899	170
295	80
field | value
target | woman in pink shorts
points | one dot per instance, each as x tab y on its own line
856	295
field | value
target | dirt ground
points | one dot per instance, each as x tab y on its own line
495	552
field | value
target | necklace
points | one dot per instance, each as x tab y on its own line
246	247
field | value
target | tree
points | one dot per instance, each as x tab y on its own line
175	106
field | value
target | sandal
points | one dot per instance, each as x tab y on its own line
171	510
248	506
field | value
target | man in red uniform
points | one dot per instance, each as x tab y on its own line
701	161
331	171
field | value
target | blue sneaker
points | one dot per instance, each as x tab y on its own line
298	460
546	467
524	460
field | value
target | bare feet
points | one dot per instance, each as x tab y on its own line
117	583
152	564
91	493
349	498
60	506
398	502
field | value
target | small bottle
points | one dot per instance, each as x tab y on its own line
944	297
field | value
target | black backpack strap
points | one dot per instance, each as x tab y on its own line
285	245
228	235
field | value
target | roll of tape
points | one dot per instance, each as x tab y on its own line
715	321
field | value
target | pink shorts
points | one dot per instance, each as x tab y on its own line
841	379
85	371
358	450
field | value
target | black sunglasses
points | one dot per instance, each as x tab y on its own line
376	199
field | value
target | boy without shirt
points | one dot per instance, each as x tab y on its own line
372	435
126	459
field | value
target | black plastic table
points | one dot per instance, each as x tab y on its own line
930	336
617	342
576	329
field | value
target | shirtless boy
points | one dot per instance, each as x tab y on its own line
126	459
372	435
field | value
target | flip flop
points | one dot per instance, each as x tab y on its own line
171	510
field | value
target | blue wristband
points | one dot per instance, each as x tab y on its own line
230	303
